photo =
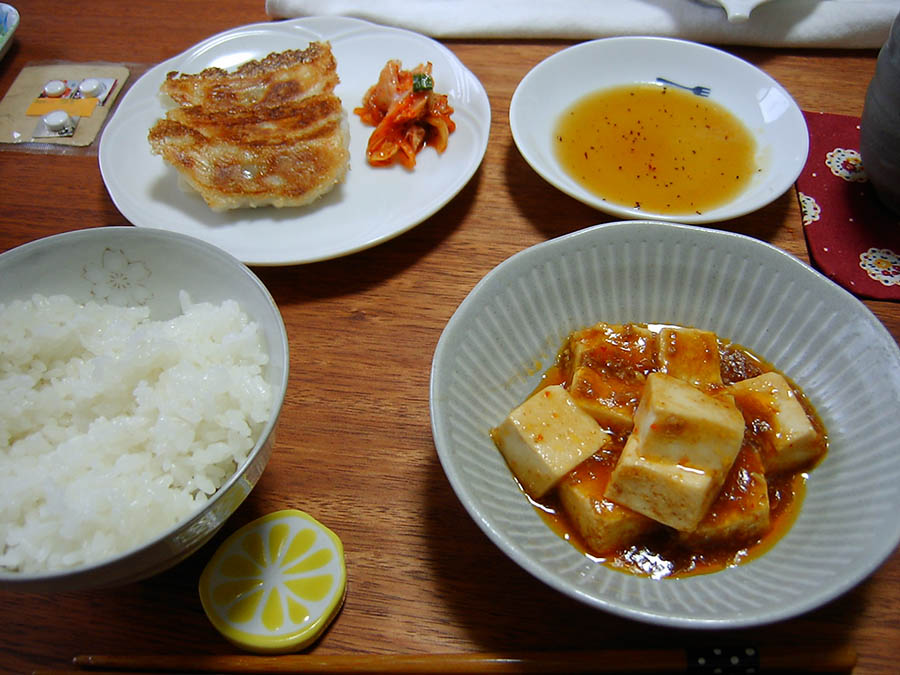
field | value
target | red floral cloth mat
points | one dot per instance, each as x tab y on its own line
851	237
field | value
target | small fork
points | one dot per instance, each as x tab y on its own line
699	91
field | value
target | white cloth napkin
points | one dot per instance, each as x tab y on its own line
787	23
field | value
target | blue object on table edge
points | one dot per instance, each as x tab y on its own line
9	21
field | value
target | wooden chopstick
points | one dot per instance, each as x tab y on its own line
821	659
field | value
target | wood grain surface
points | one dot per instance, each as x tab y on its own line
355	448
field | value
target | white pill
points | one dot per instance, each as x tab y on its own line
91	87
55	88
57	120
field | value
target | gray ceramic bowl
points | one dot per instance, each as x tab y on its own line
746	290
175	262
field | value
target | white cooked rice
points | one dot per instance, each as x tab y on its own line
115	427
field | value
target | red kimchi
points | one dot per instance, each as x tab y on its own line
407	115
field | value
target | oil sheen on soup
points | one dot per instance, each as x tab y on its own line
655	148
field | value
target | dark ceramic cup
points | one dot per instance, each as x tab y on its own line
880	124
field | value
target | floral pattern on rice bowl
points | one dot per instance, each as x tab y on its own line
118	280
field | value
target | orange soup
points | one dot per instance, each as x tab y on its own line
655	148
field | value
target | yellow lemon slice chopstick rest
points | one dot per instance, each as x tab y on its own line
275	584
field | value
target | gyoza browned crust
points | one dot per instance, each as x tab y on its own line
272	132
273	80
231	174
267	125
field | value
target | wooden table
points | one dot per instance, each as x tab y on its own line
355	450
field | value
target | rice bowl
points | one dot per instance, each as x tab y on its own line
141	377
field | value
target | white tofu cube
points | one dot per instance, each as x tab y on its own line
740	512
679	453
691	355
546	437
603	525
618	349
679	424
671	494
609	401
788	439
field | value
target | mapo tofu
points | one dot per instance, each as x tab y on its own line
685	448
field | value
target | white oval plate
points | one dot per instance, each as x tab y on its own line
370	207
762	104
510	327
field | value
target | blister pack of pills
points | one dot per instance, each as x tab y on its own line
61	105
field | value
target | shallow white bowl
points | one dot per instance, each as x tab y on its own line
9	21
57	264
510	327
763	105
